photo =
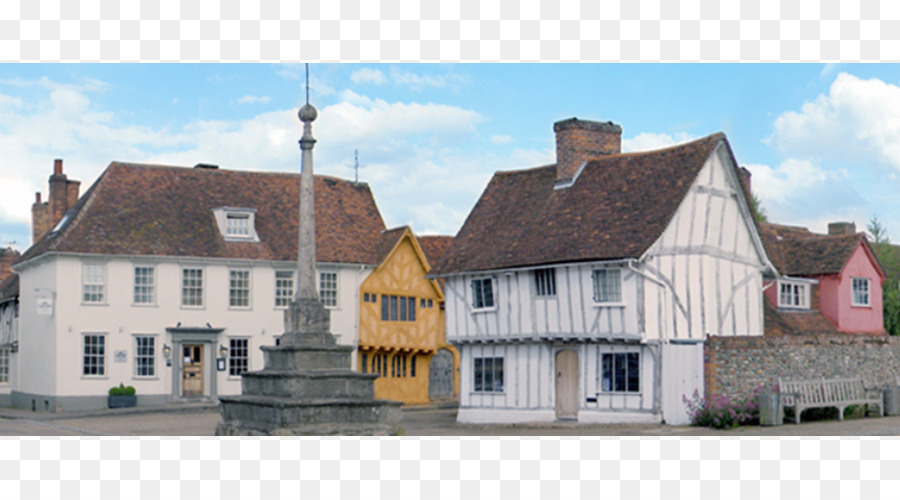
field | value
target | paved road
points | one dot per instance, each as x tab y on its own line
201	421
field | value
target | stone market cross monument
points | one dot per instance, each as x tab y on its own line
307	386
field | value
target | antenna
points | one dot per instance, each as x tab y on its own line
307	83
356	166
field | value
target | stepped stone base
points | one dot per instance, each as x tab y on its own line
307	387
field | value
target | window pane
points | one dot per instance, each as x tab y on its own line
238	356
284	288
393	308
606	376
411	310
633	372
479	374
488	374
498	374
328	289
619	373
385	307
402	308
239	289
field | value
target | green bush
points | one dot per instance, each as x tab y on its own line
121	390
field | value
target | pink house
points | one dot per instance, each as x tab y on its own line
834	277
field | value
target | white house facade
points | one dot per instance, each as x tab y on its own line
584	290
170	279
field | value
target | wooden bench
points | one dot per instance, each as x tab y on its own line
826	393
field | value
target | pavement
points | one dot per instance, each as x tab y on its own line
200	419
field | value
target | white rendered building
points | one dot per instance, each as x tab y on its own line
169	279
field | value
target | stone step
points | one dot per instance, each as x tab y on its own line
292	357
252	414
309	384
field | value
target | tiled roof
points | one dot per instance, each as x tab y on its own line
796	251
781	322
9	288
135	209
618	206
388	241
434	247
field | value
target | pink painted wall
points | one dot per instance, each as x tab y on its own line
835	296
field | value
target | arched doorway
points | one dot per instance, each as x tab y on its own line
440	375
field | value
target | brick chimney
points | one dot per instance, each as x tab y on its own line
7	257
578	141
840	228
63	196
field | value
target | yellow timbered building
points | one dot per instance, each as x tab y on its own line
401	326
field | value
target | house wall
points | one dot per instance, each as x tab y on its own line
738	366
9	326
529	384
705	271
837	296
403	274
519	312
57	341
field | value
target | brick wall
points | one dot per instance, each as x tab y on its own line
737	365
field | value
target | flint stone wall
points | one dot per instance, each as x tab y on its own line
738	365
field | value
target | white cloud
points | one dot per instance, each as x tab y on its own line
646	141
368	75
254	99
501	139
415	81
799	192
857	122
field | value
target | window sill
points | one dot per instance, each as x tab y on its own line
619	393
487	393
92	304
94	377
861	306
138	377
609	304
793	308
484	310
150	306
193	308
240	308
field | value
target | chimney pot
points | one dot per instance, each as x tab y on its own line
57	166
37	197
579	141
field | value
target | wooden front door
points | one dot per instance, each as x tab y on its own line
567	384
192	370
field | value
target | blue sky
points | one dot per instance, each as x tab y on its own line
823	141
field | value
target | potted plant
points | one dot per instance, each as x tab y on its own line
122	397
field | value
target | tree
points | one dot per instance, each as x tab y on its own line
756	207
878	232
889	257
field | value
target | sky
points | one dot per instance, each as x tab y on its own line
822	141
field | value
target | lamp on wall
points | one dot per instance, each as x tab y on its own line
223	351
167	351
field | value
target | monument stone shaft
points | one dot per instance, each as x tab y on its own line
306	386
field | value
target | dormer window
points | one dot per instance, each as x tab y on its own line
793	295
237	224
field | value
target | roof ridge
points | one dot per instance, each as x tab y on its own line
228	171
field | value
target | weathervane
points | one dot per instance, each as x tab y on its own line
307	83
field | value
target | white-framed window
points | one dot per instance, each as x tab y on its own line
238	356
145	356
545	282
239	288
93	361
237	224
621	372
482	293
284	288
328	289
861	296
607	285
488	373
4	365
144	285
795	295
192	287
93	283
